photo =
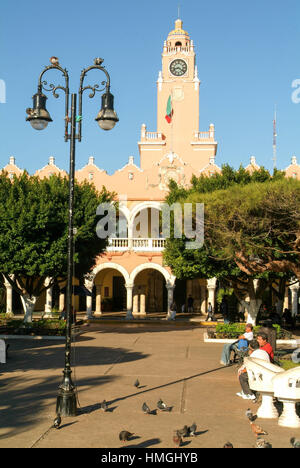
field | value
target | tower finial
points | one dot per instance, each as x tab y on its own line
178	10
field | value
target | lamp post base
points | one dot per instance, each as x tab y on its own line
66	403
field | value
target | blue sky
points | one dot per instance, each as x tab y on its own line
248	55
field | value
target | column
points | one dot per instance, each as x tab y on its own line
89	311
48	303
9	293
294	291
170	289
203	300
286	299
61	301
129	289
143	303
130	231
98	310
211	287
89	299
135	308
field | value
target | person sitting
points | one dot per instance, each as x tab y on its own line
287	318
241	343
270	331
265	345
254	352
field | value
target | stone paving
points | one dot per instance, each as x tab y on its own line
171	361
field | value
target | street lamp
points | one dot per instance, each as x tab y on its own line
39	117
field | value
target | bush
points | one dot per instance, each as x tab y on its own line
234	330
229	330
42	326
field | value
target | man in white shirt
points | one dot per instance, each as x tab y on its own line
228	347
254	352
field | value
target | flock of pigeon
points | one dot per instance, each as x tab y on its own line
190	431
259	432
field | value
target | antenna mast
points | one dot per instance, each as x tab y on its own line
274	141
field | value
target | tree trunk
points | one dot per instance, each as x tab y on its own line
28	305
254	291
252	307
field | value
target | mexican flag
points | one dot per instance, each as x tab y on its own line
169	111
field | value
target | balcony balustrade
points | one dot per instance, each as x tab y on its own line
145	244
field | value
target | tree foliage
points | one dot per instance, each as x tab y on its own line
34	230
251	231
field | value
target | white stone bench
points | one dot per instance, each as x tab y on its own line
261	374
287	390
2	352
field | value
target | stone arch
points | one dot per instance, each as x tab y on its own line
170	279
113	266
142	206
139	208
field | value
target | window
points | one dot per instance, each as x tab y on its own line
106	291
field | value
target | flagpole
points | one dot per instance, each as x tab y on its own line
172	136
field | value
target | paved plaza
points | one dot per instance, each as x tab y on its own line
171	361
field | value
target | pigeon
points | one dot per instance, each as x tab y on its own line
125	435
262	443
54	61
177	439
257	430
192	430
295	442
146	408
250	415
137	383
98	61
103	405
162	406
228	445
184	432
29	111
57	421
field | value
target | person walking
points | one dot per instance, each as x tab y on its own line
224	310
190	304
210	312
173	310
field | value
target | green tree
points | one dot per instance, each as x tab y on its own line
251	232
34	232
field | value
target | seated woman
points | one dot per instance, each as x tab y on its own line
255	351
241	342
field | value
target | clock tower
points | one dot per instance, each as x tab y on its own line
177	137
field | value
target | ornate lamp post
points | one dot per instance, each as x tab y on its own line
39	117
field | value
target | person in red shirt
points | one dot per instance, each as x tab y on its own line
265	345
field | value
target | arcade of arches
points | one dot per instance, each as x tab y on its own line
147	289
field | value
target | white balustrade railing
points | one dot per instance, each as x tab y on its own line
178	49
153	136
204	135
138	243
118	243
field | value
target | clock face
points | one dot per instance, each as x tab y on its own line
178	67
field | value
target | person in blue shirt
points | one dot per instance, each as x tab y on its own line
241	343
